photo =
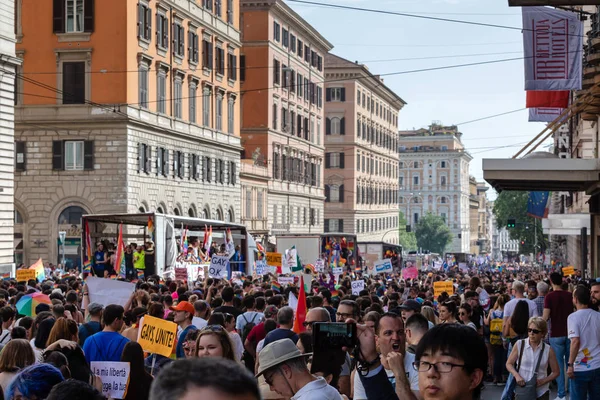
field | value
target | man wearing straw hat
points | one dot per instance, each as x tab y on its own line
285	371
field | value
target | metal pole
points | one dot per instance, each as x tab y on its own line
583	251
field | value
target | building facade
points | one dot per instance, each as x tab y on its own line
504	248
361	158
7	78
283	112
254	180
434	177
124	107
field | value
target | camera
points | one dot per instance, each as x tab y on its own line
334	335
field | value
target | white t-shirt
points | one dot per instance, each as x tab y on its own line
411	374
238	346
317	390
585	324
509	308
199	322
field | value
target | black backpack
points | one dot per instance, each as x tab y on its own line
247	327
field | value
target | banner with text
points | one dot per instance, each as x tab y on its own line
357	286
218	267
441	287
157	336
383	266
114	377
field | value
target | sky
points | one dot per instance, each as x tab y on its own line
451	96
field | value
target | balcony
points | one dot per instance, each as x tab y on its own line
254	168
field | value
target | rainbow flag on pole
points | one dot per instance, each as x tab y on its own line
38	266
120	254
87	265
151	228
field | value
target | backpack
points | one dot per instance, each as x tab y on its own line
496	331
247	327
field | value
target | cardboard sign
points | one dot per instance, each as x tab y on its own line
181	274
286	280
157	335
383	266
410	273
261	267
320	265
337	270
357	286
25	274
567	271
463	267
274	259
106	291
218	267
114	377
443	286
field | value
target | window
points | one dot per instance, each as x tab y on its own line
207	169
293	46
218	8
334	160
285	72
335	94
73	80
74	15
306	53
232	171
259	204
230	11
249	204
443	215
207	54
143	86
444	148
443	200
144	22
275	213
193	48
206	100
161	92
178	40
231	115
208	5
20	156
220	61
162	161
300	54
276	72
443	164
178	93
275	113
286	38
192	103
179	164
416	218
415	180
276	31
320	63
334	193
242	68
162	31
415	164
300	84
232	66
219	112
335	126
74	156
443	180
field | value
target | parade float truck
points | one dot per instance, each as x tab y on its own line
325	247
307	246
170	235
371	252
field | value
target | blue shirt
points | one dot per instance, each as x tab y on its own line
280	333
104	346
99	257
88	329
179	349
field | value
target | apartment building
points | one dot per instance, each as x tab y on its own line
124	106
434	177
361	158
283	111
7	77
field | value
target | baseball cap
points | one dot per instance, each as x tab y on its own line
183	306
411	305
95	308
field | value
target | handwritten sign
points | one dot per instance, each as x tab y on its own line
261	267
25	274
114	377
567	271
463	267
218	267
382	266
357	286
410	273
274	259
443	286
181	274
320	265
157	336
338	270
285	280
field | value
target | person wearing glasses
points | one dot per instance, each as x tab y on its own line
534	357
346	309
214	341
464	314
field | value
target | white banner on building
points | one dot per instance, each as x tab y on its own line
553	49
544	114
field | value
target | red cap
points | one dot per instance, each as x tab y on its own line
183	306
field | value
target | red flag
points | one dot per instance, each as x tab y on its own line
547	98
300	310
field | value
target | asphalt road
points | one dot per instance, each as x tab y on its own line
492	392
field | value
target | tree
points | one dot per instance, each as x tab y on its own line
433	234
512	204
408	241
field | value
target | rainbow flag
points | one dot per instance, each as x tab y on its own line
260	247
87	265
275	286
151	228
120	253
140	274
6	276
38	266
335	294
184	240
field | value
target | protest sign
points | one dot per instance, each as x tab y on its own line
107	291
25	274
218	267
357	286
338	270
274	259
567	271
181	274
410	273
292	301
114	377
463	267
443	286
382	266
261	267
320	265
286	280
157	335
437	265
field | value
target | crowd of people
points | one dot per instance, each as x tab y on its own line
527	330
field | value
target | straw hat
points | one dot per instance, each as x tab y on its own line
277	353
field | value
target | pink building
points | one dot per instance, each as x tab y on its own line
361	156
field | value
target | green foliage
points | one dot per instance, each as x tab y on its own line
433	234
513	205
408	241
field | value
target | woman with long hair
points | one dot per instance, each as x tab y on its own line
43	333
428	313
78	365
448	312
238	346
498	353
139	379
16	355
465	312
65	329
214	341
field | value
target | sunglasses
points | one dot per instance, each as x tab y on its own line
535	331
308	323
213	328
462	313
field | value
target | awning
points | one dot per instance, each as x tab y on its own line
541	173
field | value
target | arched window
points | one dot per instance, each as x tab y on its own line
160	210
443	180
142	209
231	215
219	214
71	215
191	212
176	211
205	214
18	218
443	200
